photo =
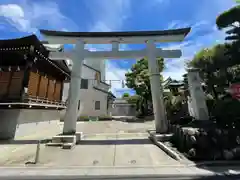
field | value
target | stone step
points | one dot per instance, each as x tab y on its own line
79	136
64	139
54	144
68	145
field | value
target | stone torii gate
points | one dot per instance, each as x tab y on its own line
78	54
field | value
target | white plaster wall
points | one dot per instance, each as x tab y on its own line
90	95
98	65
87	105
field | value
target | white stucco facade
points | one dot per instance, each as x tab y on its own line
96	91
98	65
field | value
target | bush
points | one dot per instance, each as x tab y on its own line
100	118
210	101
105	117
227	112
83	118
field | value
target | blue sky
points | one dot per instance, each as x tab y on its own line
23	17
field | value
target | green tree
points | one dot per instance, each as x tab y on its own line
212	64
133	99
125	95
230	19
138	79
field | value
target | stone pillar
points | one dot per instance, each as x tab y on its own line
198	98
161	124
70	119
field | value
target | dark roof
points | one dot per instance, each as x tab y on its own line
176	84
184	31
63	65
107	92
169	82
23	43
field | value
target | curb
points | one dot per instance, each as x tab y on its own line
175	156
163	147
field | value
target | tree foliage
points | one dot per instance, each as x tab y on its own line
125	95
138	77
230	19
227	18
214	64
139	80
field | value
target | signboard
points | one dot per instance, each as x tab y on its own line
235	91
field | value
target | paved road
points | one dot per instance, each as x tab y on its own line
105	144
120	173
117	149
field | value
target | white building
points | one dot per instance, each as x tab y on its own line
94	96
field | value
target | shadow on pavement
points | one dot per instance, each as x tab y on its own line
25	141
125	177
115	142
222	171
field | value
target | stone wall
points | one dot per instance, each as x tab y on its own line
122	109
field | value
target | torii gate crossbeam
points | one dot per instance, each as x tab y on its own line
117	54
115	38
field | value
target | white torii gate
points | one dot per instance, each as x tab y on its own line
78	54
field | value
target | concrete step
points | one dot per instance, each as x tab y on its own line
79	136
64	139
68	145
54	144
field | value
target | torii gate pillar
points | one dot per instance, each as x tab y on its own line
161	124
70	119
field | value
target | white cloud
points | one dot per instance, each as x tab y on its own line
15	15
29	17
203	34
118	75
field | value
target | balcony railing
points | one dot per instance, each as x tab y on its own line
33	99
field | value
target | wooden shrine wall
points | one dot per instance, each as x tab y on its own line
11	85
44	87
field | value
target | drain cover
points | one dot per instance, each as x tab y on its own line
95	162
133	162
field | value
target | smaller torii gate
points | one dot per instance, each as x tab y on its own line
80	39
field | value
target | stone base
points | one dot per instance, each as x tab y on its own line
158	140
66	141
11	119
162	137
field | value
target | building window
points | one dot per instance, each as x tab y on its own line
79	104
97	105
84	83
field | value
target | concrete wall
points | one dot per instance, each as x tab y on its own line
122	110
13	119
